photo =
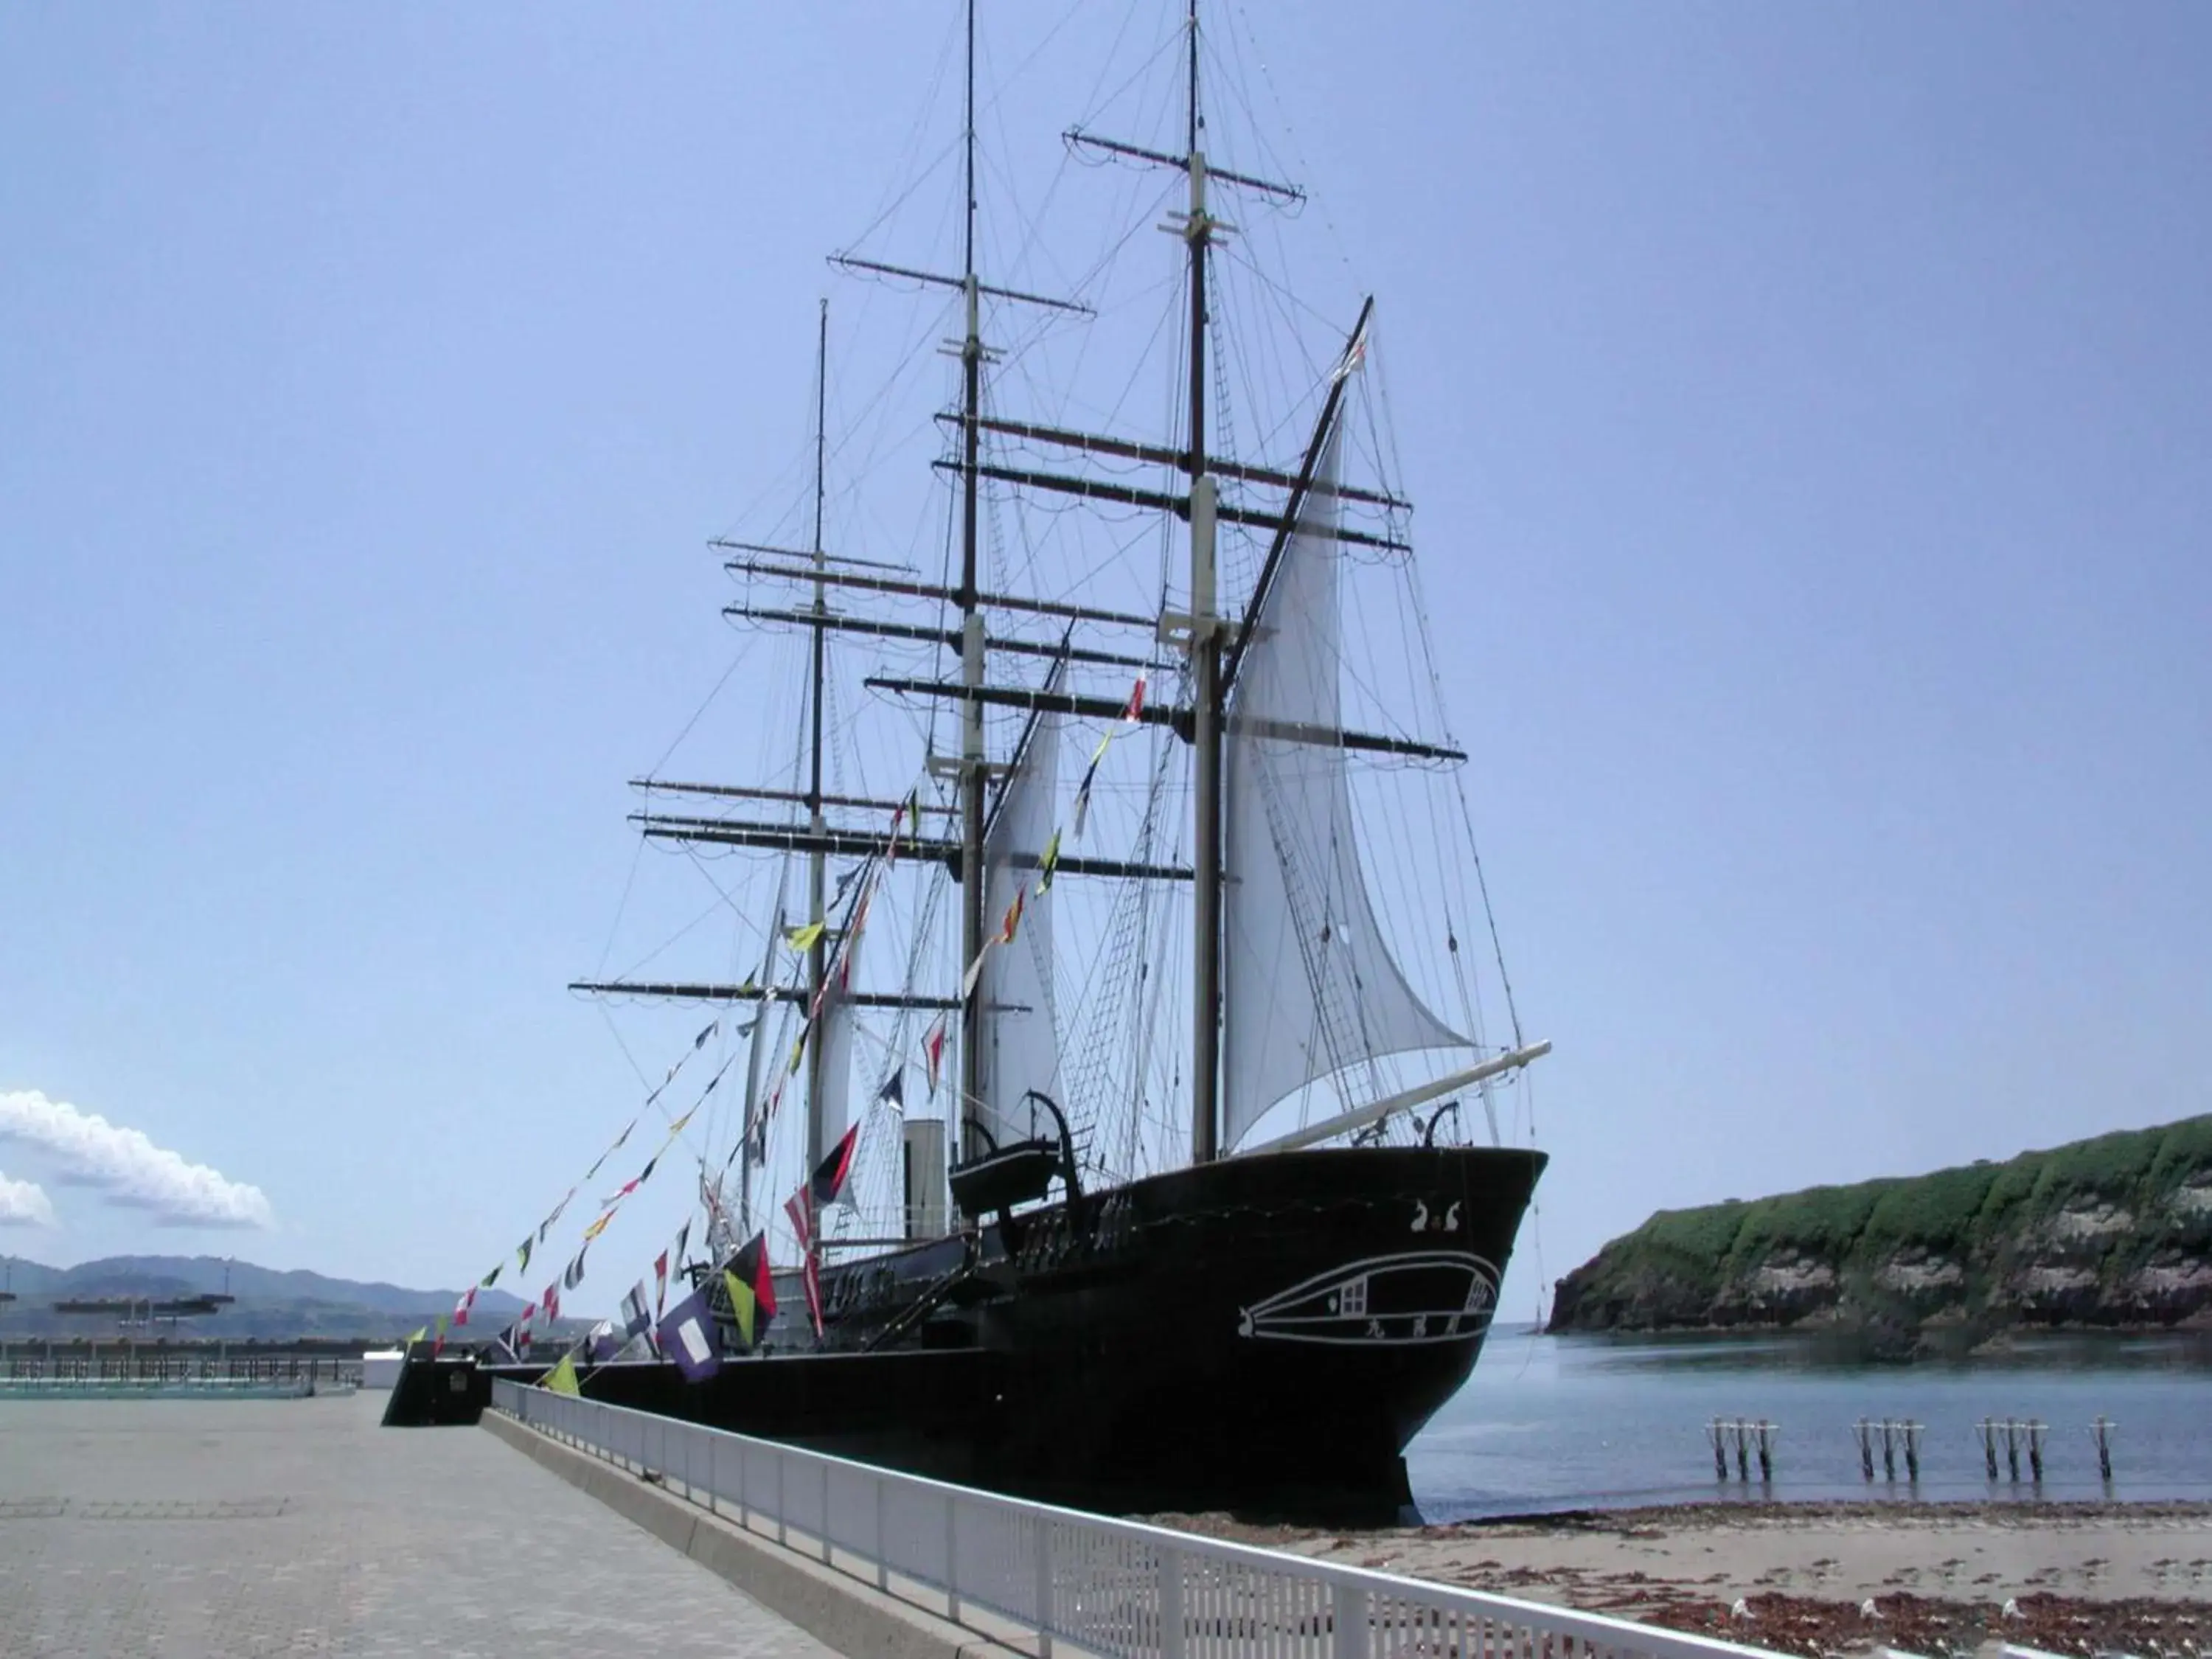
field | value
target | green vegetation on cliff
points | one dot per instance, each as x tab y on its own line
2113	1231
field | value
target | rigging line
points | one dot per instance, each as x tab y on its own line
1298	402
883	407
992	104
607	1014
698	714
1144	1016
945	56
1467	816
995	108
1390	463
1305	169
622	908
1234	77
1287	295
1470	999
721	899
1172	42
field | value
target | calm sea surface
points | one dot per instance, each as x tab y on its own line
1550	1423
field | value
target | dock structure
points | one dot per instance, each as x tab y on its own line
316	1362
219	1526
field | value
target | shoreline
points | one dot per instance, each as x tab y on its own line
1998	1339
1824	1576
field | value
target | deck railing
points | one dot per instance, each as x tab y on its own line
1122	1590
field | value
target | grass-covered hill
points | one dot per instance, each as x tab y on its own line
2114	1232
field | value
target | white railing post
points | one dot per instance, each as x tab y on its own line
883	1549
783	1525
1349	1613
713	1473
826	1511
1170	1600
744	1509
952	1559
1044	1619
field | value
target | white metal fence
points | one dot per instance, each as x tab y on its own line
1118	1589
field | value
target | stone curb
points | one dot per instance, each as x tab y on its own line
855	1619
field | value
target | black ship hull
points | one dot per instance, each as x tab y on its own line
1262	1334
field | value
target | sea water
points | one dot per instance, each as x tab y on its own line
1577	1422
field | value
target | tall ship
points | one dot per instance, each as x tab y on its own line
1112	1088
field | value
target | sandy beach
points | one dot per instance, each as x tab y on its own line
2076	1578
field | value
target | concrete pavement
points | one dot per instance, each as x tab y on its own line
196	1528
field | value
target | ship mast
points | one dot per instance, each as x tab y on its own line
974	771
817	861
1206	678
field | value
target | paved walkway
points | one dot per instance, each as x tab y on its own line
226	1527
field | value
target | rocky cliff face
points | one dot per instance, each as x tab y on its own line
2114	1232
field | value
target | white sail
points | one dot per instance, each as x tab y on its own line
1308	983
836	1039
1020	1047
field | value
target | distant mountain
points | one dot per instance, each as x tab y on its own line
2114	1232
269	1304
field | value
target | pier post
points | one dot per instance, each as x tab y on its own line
1742	1449
2103	1429
1866	1448
1912	1452
1716	1431
2011	1448
2035	1450
1889	1449
1766	1451
1989	1446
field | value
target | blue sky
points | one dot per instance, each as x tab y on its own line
1810	412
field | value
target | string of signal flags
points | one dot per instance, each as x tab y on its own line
746	1275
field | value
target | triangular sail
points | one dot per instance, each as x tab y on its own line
836	1035
1309	987
1020	1045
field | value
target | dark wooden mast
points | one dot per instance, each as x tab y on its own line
817	860
1205	678
974	769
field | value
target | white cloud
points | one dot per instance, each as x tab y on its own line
22	1205
127	1168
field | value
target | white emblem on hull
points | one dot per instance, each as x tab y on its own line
1419	1297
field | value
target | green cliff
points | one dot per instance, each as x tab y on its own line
2112	1232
